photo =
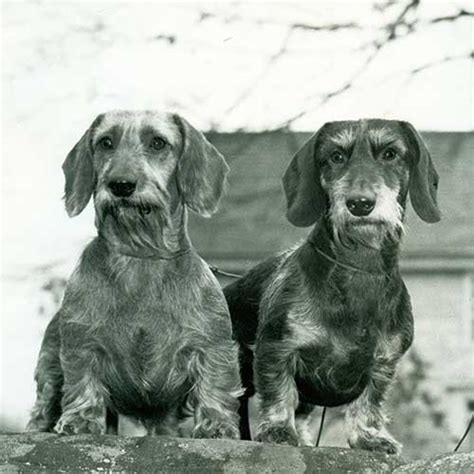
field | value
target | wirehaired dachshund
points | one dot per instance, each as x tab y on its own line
326	323
144	329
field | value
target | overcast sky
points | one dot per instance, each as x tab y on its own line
213	62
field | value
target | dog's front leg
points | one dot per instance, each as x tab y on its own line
49	380
365	418
83	402
307	421
276	387
216	390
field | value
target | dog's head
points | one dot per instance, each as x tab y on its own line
140	167
358	173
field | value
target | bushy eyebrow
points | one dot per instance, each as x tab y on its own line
113	130
162	129
344	138
382	137
149	130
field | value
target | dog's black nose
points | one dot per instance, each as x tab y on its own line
122	187
360	206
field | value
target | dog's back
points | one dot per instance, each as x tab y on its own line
243	298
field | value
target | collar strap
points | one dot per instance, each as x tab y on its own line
159	256
340	264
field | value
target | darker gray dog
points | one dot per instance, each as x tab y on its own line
327	322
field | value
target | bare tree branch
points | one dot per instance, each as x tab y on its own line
460	14
404	22
445	59
416	24
251	87
204	15
330	27
391	34
410	74
391	28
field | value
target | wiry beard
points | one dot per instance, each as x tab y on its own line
136	227
385	225
370	235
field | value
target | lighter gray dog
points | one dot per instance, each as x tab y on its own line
144	329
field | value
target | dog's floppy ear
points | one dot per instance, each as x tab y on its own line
79	173
423	184
305	197
202	170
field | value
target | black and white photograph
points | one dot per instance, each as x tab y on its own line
237	236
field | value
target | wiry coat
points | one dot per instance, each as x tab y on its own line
143	329
326	322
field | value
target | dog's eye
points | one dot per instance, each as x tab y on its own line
157	143
389	154
106	143
337	158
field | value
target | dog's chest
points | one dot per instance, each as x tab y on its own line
337	342
150	347
335	370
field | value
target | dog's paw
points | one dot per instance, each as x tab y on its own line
77	424
220	430
278	434
374	440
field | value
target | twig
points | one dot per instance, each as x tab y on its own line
417	24
331	27
324	98
445	59
251	87
461	13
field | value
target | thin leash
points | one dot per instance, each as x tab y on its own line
321	424
469	426
217	271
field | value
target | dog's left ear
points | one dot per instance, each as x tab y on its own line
423	184
202	170
79	173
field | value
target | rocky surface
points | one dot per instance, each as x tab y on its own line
51	453
443	464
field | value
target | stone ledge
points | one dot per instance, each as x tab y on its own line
52	453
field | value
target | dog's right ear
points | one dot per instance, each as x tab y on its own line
202	170
79	173
306	199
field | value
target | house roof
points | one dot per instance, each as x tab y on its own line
251	223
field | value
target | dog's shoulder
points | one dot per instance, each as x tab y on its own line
201	285
252	284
